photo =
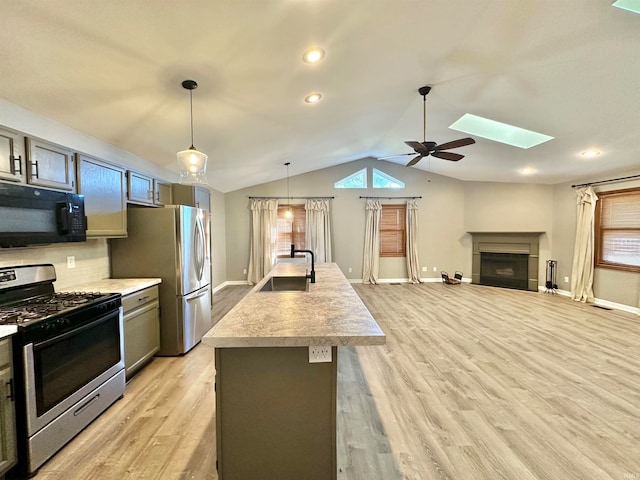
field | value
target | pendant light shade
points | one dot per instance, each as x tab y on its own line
192	163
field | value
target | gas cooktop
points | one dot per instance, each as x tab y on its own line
45	306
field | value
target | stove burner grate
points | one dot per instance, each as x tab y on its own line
45	306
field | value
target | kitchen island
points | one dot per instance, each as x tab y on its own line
275	409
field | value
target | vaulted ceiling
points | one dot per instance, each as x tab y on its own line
113	69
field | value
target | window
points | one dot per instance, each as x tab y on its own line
382	180
618	230
290	229
355	180
392	231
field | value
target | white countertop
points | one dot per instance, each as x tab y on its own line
7	330
124	286
330	313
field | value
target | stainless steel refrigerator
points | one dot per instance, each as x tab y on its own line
171	243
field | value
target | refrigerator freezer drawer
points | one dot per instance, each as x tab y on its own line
196	311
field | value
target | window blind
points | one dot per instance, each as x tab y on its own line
618	229
393	231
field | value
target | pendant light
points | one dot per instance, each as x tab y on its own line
192	163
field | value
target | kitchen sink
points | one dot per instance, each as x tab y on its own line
286	284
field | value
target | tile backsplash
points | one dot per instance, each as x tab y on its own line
91	260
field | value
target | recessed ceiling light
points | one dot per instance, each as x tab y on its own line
527	171
313	98
590	153
313	55
498	131
630	5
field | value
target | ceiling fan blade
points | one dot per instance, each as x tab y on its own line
455	144
414	161
417	147
398	155
454	157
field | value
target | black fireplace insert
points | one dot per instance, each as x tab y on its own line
509	270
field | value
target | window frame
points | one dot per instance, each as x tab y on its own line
599	230
400	226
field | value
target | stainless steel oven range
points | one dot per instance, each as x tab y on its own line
68	359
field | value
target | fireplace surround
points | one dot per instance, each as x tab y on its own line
506	259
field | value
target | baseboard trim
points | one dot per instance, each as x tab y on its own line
228	282
599	302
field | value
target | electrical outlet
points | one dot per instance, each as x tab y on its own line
244	271
71	261
566	279
350	269
319	354
435	269
424	269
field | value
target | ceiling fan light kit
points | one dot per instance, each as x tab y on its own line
192	163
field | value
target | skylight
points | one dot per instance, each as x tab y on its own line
498	132
630	5
382	180
355	180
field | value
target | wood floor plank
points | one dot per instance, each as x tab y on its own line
474	382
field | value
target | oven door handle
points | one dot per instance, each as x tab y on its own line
75	331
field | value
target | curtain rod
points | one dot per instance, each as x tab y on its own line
289	198
394	198
631	177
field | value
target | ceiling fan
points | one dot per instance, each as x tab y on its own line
424	148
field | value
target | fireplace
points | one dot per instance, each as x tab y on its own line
506	259
509	270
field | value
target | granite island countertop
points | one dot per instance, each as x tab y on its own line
329	313
124	286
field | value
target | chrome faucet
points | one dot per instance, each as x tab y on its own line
312	275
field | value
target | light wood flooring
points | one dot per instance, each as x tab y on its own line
474	383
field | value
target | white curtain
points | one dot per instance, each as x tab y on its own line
413	264
318	229
371	260
583	253
264	234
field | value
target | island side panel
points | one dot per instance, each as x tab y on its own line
276	414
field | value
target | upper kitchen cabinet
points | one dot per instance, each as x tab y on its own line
139	188
147	190
192	195
50	165
11	156
162	193
105	201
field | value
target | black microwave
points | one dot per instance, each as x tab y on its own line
34	216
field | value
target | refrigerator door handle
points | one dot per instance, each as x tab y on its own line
199	247
193	297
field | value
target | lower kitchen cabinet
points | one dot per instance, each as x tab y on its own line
141	328
8	456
